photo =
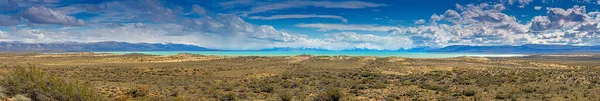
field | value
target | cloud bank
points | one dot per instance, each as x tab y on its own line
157	21
291	16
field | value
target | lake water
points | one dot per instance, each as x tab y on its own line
319	53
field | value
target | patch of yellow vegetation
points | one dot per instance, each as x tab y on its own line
473	59
395	73
365	58
160	59
299	58
395	59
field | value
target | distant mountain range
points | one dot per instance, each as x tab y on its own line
125	46
523	49
97	46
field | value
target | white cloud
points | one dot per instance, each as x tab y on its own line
222	32
138	25
420	21
199	10
349	40
2	35
522	3
300	4
43	15
290	16
451	14
485	24
537	7
346	27
156	22
558	18
481	24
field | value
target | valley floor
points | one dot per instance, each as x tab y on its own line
308	78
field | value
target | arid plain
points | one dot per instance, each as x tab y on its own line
298	78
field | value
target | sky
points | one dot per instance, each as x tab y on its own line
333	25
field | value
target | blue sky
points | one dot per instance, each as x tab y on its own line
335	25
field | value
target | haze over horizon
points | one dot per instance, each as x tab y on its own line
333	25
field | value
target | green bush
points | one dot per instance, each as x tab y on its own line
140	91
38	85
286	96
504	96
469	92
331	94
227	97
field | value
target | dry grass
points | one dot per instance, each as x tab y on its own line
323	78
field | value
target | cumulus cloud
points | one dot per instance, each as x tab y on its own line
138	25
558	18
2	35
481	24
521	3
290	16
43	15
451	14
346	27
367	41
420	21
300	4
537	7
224	32
485	24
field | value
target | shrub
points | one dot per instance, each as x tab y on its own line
286	96
267	88
38	85
140	91
331	94
2	92
469	92
503	96
227	97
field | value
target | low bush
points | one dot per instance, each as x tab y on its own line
469	92
139	91
504	96
38	85
330	94
286	96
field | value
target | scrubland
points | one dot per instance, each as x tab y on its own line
86	76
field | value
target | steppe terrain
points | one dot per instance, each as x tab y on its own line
88	76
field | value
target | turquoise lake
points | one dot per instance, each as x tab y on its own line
319	53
